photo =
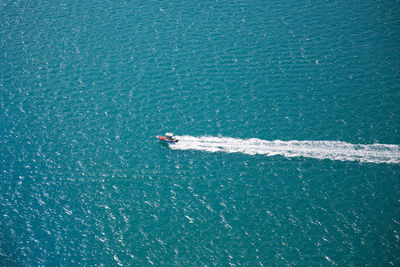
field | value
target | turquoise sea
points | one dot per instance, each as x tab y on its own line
288	117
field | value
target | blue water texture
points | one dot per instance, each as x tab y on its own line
288	114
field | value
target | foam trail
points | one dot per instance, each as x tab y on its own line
334	150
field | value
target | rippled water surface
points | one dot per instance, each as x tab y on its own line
288	114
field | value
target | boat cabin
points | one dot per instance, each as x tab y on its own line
170	136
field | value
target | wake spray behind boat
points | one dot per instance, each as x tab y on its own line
168	138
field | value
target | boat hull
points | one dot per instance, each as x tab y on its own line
166	140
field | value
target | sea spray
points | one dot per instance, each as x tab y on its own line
334	150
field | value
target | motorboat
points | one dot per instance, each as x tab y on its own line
168	138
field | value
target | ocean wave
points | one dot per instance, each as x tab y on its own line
334	150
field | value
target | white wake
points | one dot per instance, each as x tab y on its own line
334	150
